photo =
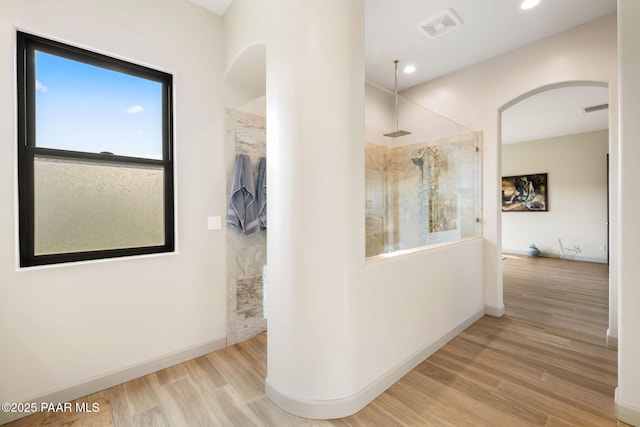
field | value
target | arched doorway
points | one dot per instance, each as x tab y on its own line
547	131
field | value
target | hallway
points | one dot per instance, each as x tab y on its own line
544	363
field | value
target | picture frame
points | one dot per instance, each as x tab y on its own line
525	193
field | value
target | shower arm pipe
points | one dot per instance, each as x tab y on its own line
396	93
397	132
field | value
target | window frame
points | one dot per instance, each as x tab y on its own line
27	44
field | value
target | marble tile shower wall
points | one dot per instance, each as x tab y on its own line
379	198
421	194
246	256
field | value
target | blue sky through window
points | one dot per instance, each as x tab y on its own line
82	107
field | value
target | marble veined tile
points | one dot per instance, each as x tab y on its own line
249	261
249	293
245	133
249	324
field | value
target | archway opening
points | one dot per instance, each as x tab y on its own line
555	139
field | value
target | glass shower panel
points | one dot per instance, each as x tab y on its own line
424	188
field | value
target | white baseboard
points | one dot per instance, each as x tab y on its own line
343	407
120	376
494	311
611	340
629	415
602	260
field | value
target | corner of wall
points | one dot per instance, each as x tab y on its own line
494	311
627	414
339	408
121	376
612	341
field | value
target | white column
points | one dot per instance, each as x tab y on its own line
315	151
628	391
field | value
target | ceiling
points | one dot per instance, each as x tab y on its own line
219	7
488	28
555	113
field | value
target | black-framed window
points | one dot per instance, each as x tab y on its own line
95	167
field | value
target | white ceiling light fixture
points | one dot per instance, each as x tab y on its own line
409	69
440	24
528	4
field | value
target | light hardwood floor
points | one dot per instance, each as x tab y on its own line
544	363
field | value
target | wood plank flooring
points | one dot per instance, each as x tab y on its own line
545	363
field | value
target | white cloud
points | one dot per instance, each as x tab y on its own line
41	87
134	109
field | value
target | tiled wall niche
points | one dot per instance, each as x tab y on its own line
246	256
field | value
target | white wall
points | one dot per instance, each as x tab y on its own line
475	96
244	32
628	391
244	25
63	325
577	195
315	150
410	305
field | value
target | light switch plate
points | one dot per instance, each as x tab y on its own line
214	223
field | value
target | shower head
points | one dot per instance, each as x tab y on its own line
419	159
397	132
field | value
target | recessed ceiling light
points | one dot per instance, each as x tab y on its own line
528	4
409	69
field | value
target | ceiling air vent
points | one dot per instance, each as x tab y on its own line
595	108
440	24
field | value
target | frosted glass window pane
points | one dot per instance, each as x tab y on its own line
88	206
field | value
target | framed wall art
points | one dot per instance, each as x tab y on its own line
525	193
